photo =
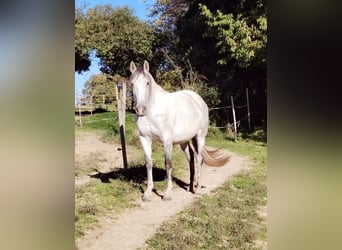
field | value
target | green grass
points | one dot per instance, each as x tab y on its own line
98	198
107	124
120	189
227	218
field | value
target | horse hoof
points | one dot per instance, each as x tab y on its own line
146	198
166	197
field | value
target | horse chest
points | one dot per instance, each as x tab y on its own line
150	128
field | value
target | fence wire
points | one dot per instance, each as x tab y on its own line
84	101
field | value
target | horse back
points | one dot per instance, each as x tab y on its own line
188	113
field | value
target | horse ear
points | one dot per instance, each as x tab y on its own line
146	66
132	67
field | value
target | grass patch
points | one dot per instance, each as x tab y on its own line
107	124
179	163
98	198
228	218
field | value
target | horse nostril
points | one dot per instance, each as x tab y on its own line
140	110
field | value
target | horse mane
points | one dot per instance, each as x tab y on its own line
153	84
136	73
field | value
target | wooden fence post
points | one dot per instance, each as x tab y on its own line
248	113
234	118
79	109
121	102
91	105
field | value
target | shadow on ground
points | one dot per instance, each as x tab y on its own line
136	174
87	113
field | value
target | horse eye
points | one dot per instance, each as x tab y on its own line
148	83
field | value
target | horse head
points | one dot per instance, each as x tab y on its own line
141	81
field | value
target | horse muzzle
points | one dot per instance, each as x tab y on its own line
140	110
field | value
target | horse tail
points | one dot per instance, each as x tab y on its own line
215	157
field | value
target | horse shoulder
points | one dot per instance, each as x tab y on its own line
144	127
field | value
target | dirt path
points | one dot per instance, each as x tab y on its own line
135	226
89	149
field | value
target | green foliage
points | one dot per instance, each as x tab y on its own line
82	61
209	94
223	43
215	133
168	79
98	85
116	36
238	38
258	134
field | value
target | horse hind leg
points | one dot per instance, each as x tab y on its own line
168	166
189	153
199	143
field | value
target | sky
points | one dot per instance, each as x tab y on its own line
140	9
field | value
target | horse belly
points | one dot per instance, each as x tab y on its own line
189	120
186	129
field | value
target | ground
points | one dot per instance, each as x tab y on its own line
89	147
134	226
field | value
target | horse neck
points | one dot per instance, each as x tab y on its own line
156	91
157	88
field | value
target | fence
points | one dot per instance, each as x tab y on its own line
120	99
109	102
236	123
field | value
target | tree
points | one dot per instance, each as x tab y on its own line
82	48
238	37
100	85
116	36
224	41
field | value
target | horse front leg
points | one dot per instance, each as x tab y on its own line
146	143
168	166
